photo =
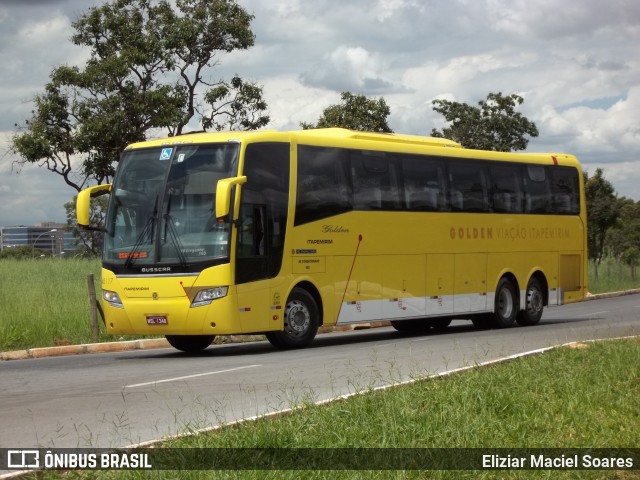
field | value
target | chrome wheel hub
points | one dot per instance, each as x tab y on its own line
297	318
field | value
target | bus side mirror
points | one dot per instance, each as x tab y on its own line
223	196
83	204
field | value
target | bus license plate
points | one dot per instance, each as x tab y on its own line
157	320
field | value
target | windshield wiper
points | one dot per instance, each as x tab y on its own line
173	233
148	227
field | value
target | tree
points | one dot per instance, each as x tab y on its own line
493	125
23	252
631	257
88	242
149	68
602	213
356	112
623	239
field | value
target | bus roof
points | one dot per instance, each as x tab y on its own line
342	137
319	133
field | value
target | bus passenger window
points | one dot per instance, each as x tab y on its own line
468	187
566	190
537	188
375	181
506	188
423	184
323	190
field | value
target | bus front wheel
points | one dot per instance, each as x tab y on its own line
301	321
190	343
534	304
506	304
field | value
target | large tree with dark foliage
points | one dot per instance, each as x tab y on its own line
493	125
150	68
603	210
356	112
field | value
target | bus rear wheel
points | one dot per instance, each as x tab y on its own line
301	321
506	304
190	343
534	304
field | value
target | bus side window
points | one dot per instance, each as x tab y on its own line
323	189
251	230
424	189
566	190
537	189
263	212
468	187
375	181
506	188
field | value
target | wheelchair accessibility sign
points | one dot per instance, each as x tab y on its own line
165	154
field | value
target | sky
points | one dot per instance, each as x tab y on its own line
576	63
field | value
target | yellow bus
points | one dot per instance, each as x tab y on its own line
283	232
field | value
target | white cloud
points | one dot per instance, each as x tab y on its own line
575	62
602	134
290	102
350	68
39	33
550	19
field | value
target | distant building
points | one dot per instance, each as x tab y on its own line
47	236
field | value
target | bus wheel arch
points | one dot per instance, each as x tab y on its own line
315	293
536	297
506	302
302	318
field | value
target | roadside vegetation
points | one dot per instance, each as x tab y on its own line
613	276
583	396
45	302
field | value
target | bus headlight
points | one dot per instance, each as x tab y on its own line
112	298
205	297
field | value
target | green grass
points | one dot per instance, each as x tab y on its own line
44	302
585	397
612	276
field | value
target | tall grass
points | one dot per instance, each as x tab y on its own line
45	302
612	276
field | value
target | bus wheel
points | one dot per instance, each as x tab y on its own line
190	343
506	304
534	306
301	321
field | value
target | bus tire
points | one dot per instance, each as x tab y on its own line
534	304
301	321
506	304
190	343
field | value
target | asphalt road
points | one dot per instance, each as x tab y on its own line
119	399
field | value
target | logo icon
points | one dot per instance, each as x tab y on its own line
23	459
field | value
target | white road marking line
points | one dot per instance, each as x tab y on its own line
593	313
447	373
188	377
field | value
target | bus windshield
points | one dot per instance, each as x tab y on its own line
161	217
